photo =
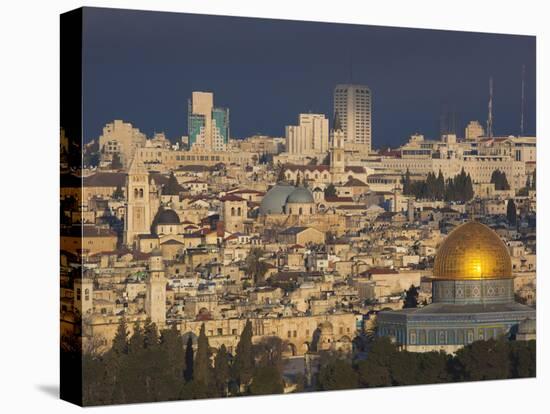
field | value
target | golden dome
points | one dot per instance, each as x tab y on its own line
472	251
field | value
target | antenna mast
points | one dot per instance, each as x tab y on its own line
522	99
490	108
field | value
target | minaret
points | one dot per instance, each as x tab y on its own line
522	100
155	294
137	219
337	154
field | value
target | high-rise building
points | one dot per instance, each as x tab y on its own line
208	126
353	103
120	138
310	136
474	130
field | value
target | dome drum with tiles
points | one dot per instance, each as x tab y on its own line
472	265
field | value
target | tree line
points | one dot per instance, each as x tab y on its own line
386	365
458	188
160	366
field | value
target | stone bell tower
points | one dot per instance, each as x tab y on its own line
155	294
137	218
337	152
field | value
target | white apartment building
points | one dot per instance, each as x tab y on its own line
122	138
310	136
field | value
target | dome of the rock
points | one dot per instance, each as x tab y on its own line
472	251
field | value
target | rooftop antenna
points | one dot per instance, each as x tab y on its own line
522	99
351	67
490	108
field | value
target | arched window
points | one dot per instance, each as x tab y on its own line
239	211
289	211
141	193
232	211
311	210
136	193
300	212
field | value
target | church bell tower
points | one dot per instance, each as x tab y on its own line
137	219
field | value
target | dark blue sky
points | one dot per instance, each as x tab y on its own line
142	67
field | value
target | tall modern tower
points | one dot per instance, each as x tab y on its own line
353	103
208	126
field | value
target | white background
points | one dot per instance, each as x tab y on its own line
29	142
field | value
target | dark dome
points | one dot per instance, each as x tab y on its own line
275	199
167	217
300	195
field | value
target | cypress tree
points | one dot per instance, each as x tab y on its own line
151	334
243	366
221	371
440	184
411	297
120	341
511	213
188	373
202	368
116	164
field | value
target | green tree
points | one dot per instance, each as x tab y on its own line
483	360
172	350
411	297
498	178
440	186
202	371
404	368
375	371
222	371
433	367
172	187
243	365
372	374
336	374
406	181
116	164
120	341
523	359
511	213
118	194
330	190
188	373
266	380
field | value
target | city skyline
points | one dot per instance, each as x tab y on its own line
413	75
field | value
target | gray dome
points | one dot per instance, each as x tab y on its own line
167	217
275	199
300	195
